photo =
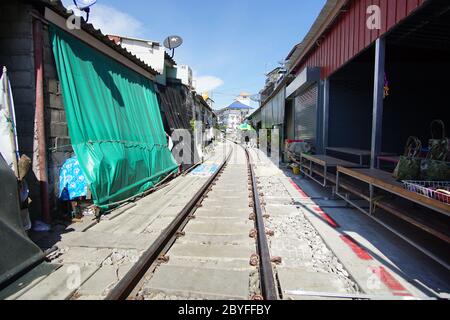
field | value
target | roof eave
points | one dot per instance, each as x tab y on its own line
326	18
58	8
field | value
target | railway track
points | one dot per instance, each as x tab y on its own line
216	248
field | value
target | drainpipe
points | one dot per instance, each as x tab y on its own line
39	121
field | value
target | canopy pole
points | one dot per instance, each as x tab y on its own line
326	112
378	96
39	120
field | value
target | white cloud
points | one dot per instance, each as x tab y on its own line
207	83
111	21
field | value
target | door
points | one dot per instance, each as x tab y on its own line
306	115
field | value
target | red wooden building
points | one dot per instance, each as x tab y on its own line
353	50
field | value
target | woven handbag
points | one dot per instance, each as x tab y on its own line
435	167
438	144
408	168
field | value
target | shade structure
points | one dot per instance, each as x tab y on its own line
114	121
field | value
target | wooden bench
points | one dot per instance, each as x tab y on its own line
310	163
362	155
381	180
392	160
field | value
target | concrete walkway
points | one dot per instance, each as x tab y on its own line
353	248
91	262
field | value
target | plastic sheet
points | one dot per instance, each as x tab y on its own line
114	121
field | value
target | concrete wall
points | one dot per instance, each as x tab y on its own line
57	132
17	54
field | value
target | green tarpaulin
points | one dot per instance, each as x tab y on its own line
246	127
114	121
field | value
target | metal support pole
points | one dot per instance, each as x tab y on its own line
378	97
40	140
326	113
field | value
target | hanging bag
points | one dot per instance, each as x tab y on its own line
435	167
408	168
438	144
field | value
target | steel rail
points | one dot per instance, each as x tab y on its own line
129	282
268	286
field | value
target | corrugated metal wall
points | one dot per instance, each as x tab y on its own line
350	35
272	113
306	114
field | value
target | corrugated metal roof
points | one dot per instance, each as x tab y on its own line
156	43
238	106
117	39
340	32
348	34
203	102
326	17
169	59
58	7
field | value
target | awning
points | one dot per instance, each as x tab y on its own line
114	121
303	80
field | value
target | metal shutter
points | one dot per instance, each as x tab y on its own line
306	114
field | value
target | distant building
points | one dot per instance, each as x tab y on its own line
234	115
208	100
184	73
244	98
273	78
210	103
152	54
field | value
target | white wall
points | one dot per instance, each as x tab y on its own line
184	73
244	100
151	55
232	119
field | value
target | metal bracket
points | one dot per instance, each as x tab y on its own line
163	259
253	233
276	260
254	260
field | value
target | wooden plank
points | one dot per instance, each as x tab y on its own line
384	9
408	218
385	181
401	9
351	151
344	185
391	13
328	161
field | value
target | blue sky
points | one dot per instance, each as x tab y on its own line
229	44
